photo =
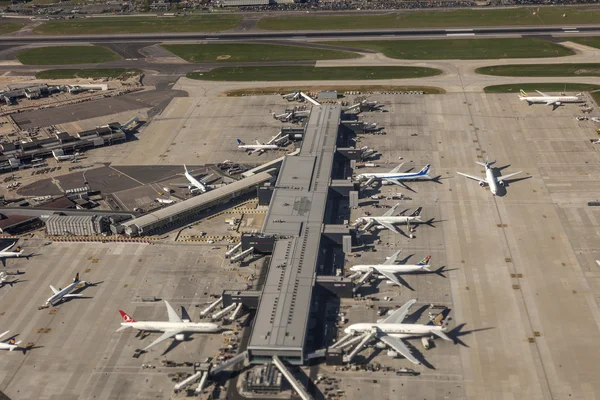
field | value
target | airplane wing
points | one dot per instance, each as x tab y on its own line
393	171
392	258
441	335
391	210
4	333
54	290
173	317
542	94
396	182
166	335
389	275
8	248
255	151
389	226
399	346
399	315
505	177
258	143
67	296
473	177
549	103
394	278
206	178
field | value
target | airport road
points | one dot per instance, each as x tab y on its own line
302	35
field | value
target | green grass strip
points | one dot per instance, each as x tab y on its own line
461	49
312	73
64	55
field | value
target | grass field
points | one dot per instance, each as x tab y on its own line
339	89
596	96
541	70
63	55
593	41
441	19
204	23
8	27
245	52
461	49
543	87
312	73
85	73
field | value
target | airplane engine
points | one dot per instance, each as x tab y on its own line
425	343
482	184
557	103
392	354
180	337
501	183
386	183
380	227
380	345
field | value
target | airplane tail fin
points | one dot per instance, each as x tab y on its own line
240	143
425	263
126	318
76	277
425	170
185	168
523	94
417	212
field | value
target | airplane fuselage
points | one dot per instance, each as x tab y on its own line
10	254
400	219
491	180
391	268
162	326
395	176
9	347
258	146
401	331
58	296
195	183
550	99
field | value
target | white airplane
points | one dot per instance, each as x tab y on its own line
62	294
389	269
391	331
194	184
548	100
395	177
10	345
4	280
258	147
5	253
388	220
174	328
490	180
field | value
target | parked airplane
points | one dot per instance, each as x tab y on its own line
194	184
258	147
62	294
5	253
175	328
391	331
388	220
490	180
4	280
389	269
10	345
548	100
395	177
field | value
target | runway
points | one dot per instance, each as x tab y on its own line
301	35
